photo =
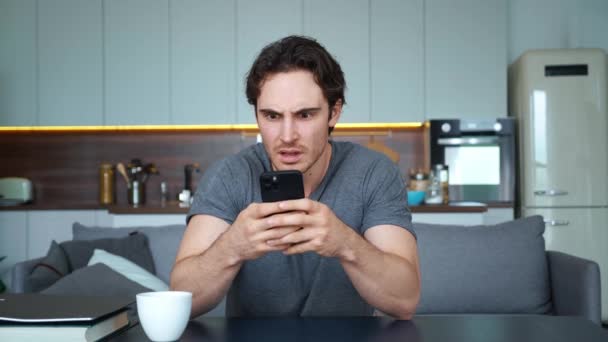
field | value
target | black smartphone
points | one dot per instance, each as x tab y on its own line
281	185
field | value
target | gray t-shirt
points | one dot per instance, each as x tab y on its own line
363	188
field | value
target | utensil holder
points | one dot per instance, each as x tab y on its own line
137	193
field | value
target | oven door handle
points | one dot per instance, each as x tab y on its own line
468	141
551	192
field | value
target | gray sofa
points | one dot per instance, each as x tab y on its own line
500	269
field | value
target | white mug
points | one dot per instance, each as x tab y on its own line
164	314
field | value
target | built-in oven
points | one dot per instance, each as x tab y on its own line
480	156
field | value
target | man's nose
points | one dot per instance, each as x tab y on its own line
289	132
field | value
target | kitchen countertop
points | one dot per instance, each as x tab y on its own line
174	207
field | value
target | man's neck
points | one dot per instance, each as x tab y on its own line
314	176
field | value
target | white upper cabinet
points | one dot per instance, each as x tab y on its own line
203	81
342	26
70	62
466	58
397	61
258	24
18	96
136	62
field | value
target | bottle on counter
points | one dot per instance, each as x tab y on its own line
445	183
106	184
164	193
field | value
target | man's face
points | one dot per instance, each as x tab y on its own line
293	117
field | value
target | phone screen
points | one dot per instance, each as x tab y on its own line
281	185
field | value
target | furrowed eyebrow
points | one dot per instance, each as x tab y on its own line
299	111
311	109
269	111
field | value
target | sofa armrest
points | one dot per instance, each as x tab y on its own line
19	275
575	286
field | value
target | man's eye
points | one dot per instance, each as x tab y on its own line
305	115
271	116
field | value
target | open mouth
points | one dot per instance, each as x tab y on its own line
290	157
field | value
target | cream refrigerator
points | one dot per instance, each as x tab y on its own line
559	99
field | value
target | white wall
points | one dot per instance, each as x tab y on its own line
550	24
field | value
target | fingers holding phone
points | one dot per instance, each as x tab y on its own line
255	224
276	186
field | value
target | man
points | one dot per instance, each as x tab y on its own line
344	250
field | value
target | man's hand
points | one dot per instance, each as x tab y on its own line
321	231
253	227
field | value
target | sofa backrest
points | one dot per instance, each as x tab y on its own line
164	242
484	269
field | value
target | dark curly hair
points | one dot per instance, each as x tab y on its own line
297	53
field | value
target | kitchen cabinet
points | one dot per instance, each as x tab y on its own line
18	97
465	59
490	217
70	68
397	59
467	219
139	220
343	28
13	238
498	215
203	57
258	24
136	62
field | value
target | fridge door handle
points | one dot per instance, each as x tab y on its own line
550	192
555	223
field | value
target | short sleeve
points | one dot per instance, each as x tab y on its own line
213	196
386	198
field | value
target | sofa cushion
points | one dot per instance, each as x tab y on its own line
163	240
49	269
484	269
96	280
128	269
133	247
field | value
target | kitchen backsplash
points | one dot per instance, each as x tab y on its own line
64	166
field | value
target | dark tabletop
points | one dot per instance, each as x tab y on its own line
453	328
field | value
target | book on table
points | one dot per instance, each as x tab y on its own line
61	318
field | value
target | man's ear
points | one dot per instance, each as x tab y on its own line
335	113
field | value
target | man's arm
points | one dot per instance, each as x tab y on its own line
212	252
384	269
202	265
382	265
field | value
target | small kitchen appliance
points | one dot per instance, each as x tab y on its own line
15	191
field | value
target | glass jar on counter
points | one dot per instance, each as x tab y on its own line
418	180
438	191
